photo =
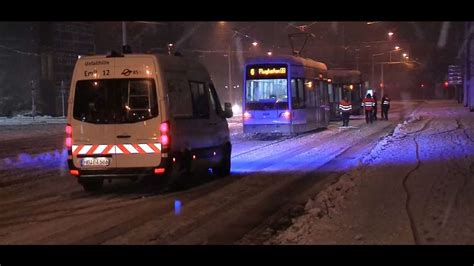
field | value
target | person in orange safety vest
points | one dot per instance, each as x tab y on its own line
368	103
345	107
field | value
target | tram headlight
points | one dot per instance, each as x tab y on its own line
247	115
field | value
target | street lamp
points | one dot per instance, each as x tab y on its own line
169	48
390	34
255	43
269	53
397	48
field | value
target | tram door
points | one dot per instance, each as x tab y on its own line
311	115
326	107
321	104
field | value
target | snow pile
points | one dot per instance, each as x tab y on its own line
403	128
326	203
46	159
26	120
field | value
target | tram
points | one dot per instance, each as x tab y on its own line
285	95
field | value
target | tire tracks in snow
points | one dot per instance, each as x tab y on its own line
413	227
453	201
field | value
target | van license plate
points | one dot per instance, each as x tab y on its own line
99	161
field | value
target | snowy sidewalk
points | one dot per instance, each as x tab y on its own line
413	188
28	120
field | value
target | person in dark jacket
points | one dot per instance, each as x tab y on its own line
375	105
385	102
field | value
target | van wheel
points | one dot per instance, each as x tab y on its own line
223	169
179	171
92	185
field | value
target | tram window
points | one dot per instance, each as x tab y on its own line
338	93
310	94
330	93
301	93
318	93
325	93
263	94
297	94
294	93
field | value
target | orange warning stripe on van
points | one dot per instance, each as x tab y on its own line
94	149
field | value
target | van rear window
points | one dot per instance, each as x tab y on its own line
115	101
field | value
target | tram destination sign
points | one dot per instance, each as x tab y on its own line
267	71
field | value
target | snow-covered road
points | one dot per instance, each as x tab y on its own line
270	180
415	187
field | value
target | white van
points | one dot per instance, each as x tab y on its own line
140	114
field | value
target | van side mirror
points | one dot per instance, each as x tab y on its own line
228	113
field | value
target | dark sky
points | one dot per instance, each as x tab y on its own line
338	44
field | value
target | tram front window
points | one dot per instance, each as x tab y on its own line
267	94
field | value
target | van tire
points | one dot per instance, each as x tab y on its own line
223	169
179	171
92	185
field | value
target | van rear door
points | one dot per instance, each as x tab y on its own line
138	125
138	122
93	125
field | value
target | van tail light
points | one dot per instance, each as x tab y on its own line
68	137
159	171
165	135
74	172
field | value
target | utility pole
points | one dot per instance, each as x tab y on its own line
382	85
33	106
357	60
229	60
373	71
62	94
124	34
126	49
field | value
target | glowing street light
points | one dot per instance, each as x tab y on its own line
405	55
269	53
390	34
255	43
397	47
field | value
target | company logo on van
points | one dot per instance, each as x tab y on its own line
94	63
126	72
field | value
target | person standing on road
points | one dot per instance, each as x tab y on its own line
346	108
368	104
385	106
375	105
